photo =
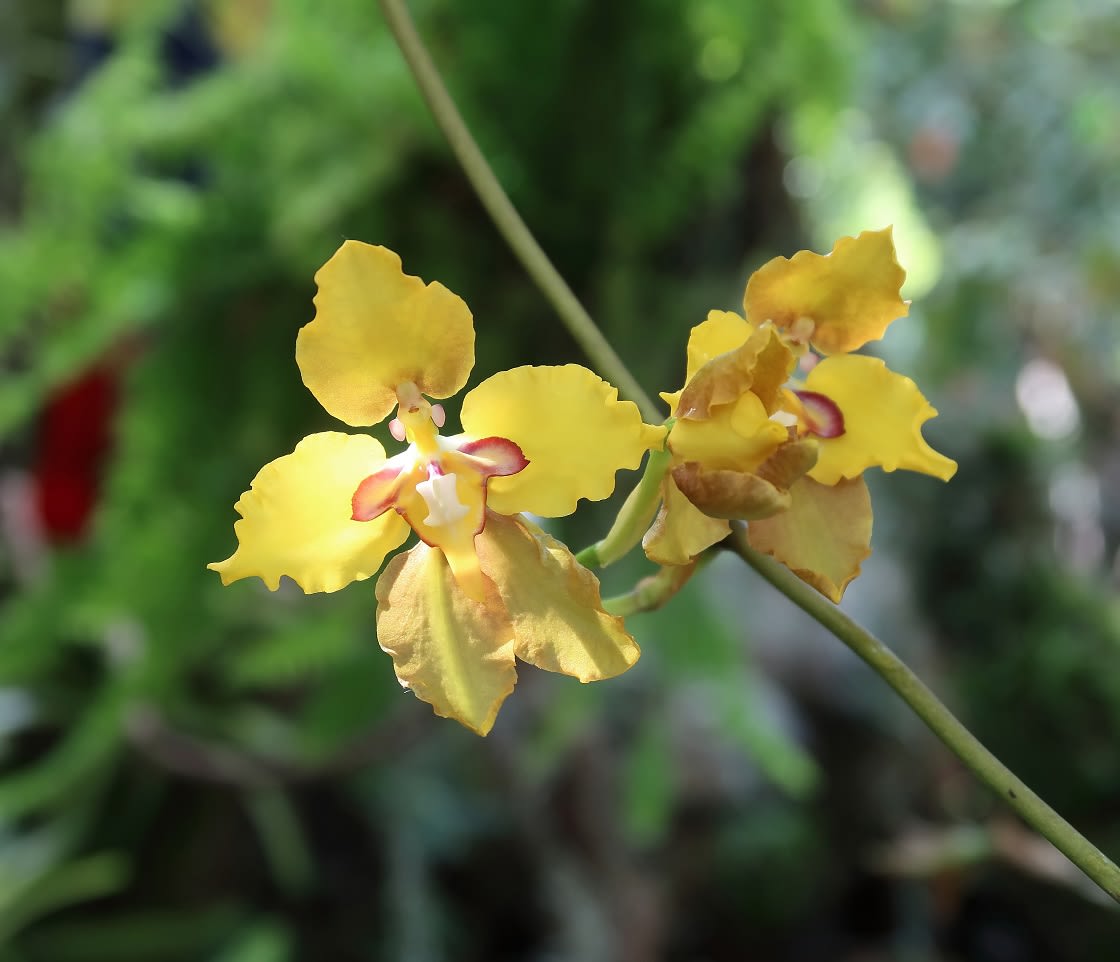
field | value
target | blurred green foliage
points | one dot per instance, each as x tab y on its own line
192	772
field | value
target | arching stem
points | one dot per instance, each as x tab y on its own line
505	215
944	724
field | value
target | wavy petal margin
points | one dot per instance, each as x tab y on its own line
376	327
883	414
570	425
851	295
296	518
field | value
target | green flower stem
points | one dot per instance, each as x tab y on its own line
986	766
635	515
651	593
933	712
505	215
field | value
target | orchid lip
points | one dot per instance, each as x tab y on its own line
822	415
490	457
495	457
378	492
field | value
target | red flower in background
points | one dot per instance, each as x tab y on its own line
74	439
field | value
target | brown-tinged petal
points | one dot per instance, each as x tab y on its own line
761	365
454	652
823	536
790	462
729	494
720	332
554	602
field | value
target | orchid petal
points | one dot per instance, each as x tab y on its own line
824	535
729	495
720	332
681	530
296	518
760	364
883	414
570	426
454	652
791	462
375	328
554	602
849	297
746	496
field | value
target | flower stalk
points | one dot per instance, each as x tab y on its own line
635	515
944	724
657	590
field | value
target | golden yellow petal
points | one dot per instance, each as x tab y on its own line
721	332
376	327
883	417
823	536
455	653
296	518
737	437
557	613
571	426
681	530
760	364
850	295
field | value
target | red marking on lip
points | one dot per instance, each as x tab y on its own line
824	418
496	457
376	494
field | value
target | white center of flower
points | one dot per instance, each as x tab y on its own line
784	418
444	506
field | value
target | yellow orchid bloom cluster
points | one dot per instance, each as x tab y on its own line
775	425
483	586
778	419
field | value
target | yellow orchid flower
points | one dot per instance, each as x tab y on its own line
861	414
864	414
812	439
484	585
732	453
